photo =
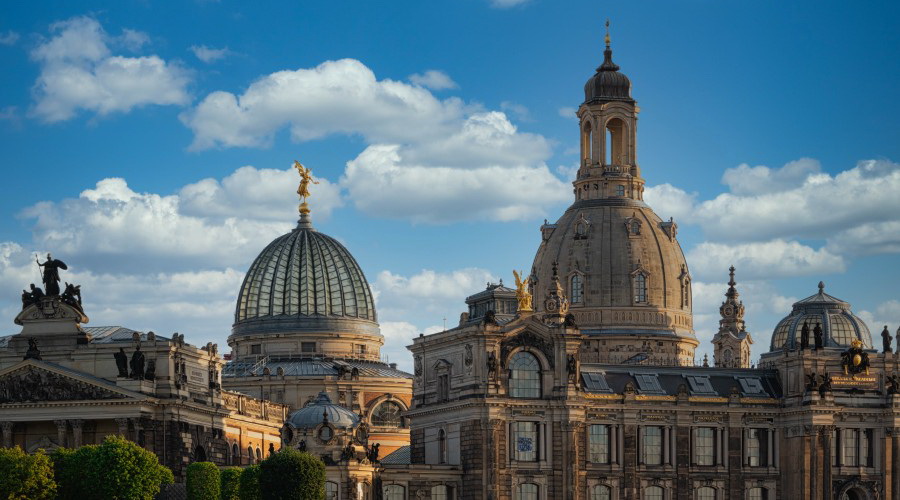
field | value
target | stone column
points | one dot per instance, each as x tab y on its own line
746	452
770	448
123	426
613	441
7	434
61	428
775	449
76	432
895	461
720	444
665	445
136	422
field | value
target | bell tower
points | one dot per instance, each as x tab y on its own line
732	342
608	122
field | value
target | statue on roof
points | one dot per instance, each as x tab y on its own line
305	180
33	296
886	339
137	363
820	338
122	362
50	273
804	336
523	296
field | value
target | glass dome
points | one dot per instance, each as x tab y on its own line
839	325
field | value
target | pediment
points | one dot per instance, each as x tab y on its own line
529	338
33	381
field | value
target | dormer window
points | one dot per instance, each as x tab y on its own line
577	290
635	227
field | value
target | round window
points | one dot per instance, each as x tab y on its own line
326	433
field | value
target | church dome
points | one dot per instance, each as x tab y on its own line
305	281
839	325
321	409
607	83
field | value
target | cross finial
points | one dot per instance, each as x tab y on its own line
607	32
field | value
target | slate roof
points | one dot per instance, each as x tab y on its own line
400	456
665	381
311	367
113	334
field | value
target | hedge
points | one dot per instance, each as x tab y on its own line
24	476
125	471
292	475
250	483
202	481
230	484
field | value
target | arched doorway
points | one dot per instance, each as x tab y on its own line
855	493
200	454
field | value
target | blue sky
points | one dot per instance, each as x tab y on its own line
148	145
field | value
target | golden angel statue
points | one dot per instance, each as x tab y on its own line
305	179
522	294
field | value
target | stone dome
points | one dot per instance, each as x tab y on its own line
839	325
305	281
607	83
315	413
628	265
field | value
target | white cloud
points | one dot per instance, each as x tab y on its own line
817	206
505	4
335	97
770	259
78	71
885	314
568	112
746	180
380	181
867	239
670	201
133	40
209	54
208	224
9	38
430	293
433	79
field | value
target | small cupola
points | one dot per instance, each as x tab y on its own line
607	84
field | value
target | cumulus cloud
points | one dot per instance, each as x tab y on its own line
80	72
670	201
209	54
567	112
9	38
380	180
885	314
818	205
745	180
207	224
433	79
770	259
867	239
520	111
429	293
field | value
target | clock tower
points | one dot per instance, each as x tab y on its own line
732	342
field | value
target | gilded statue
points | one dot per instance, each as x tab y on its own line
523	296
305	180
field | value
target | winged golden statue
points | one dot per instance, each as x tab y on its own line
305	180
522	294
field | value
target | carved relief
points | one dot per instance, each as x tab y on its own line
32	385
529	340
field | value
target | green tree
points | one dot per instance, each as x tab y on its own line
250	483
126	471
292	475
24	476
202	481
231	484
74	472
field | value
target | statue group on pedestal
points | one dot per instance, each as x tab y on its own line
71	294
818	336
136	364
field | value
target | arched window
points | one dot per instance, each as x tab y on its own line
439	492
250	455
394	492
706	493
387	414
235	455
199	454
524	376
615	142
577	289
442	446
258	455
640	288
527	491
601	492
653	493
331	490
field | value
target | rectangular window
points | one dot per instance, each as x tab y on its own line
851	452
704	446
308	346
651	439
525	441
753	454
443	387
360	348
834	449
255	348
599	444
865	458
620	190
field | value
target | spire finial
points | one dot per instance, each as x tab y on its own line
731	276
607	33
821	287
